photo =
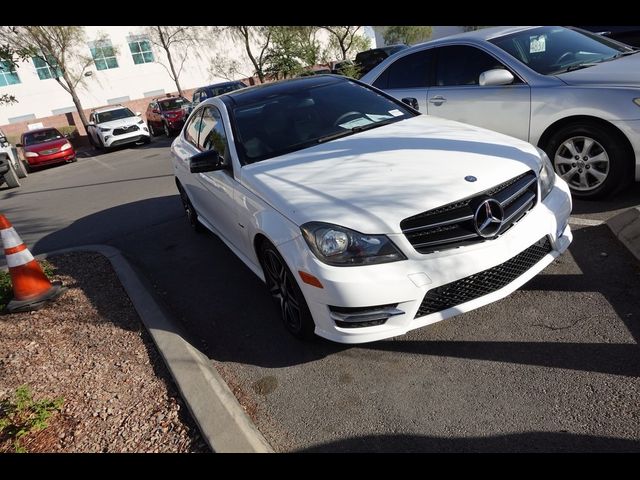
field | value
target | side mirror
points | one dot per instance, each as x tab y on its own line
155	110
19	145
497	76
412	102
208	161
91	124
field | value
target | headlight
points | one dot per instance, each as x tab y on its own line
31	154
637	101
340	246
105	129
547	175
66	146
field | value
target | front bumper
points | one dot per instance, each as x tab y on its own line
406	283
58	157
111	140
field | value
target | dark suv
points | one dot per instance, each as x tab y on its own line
370	58
214	90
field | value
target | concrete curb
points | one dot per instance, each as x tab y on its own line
626	226
223	423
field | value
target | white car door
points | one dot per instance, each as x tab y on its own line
457	95
407	77
215	191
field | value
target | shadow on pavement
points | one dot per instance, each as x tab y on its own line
630	197
514	442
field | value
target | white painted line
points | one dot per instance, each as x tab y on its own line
585	221
103	164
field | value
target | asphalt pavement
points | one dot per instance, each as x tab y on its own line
553	367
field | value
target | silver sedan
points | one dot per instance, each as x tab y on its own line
574	94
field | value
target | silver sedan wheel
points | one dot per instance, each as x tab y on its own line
582	162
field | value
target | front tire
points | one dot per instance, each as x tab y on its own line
286	293
11	178
167	131
592	159
152	130
21	171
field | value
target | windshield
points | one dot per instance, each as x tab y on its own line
553	50
41	137
113	115
172	103
303	117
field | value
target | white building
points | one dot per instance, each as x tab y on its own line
130	74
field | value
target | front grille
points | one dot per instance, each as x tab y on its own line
485	282
127	140
50	151
452	225
123	130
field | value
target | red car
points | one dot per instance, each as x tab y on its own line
166	114
46	146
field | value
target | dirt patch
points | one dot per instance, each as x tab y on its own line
91	348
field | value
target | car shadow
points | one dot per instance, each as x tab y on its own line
230	317
629	197
548	442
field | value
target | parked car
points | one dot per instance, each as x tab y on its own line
117	125
11	153
214	90
167	115
364	218
7	173
46	146
339	68
574	94
315	71
368	59
625	34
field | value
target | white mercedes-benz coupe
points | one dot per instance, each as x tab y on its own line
364	218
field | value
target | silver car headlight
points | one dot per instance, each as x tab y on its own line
340	246
547	175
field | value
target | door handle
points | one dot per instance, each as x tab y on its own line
437	100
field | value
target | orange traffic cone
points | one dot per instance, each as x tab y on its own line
31	288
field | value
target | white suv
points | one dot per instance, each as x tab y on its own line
117	125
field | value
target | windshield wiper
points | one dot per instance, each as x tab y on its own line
351	131
579	66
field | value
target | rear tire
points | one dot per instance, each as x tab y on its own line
152	130
591	158
286	293
190	211
11	177
21	171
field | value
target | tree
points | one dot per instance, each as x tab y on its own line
61	48
406	34
282	56
8	58
469	28
176	42
256	42
344	40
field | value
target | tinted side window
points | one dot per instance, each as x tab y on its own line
193	128
462	65
410	71
212	134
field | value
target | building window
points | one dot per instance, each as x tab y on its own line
8	75
141	51
48	69
104	55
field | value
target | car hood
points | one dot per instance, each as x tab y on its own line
372	180
123	122
620	72
51	144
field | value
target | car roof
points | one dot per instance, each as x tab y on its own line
43	129
250	95
482	34
223	84
108	109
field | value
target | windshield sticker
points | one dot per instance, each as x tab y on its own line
537	44
396	113
358	122
377	118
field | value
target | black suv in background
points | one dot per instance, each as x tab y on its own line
625	34
370	58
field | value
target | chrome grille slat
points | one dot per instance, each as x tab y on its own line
452	225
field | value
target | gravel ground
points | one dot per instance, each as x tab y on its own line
91	348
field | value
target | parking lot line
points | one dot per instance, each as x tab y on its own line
584	221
